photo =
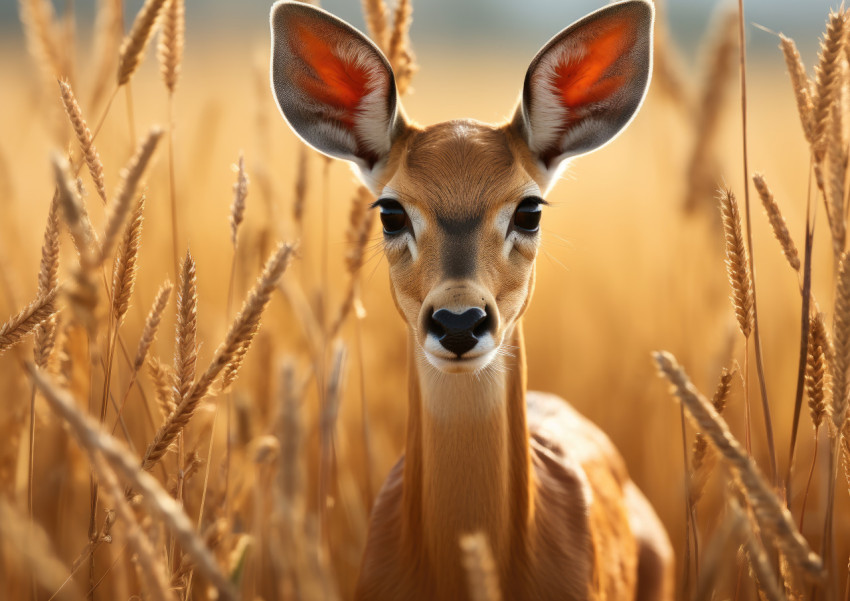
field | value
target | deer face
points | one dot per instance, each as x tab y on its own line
460	202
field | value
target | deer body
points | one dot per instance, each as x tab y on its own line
461	203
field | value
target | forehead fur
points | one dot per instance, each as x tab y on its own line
460	169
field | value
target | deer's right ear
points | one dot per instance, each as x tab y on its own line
333	86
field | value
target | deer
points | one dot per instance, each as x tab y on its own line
461	204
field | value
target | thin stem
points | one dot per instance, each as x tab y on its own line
686	564
175	237
771	447
131	119
747	394
31	460
809	482
804	336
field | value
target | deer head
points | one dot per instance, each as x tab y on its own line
461	201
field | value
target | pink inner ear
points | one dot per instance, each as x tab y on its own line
584	81
339	84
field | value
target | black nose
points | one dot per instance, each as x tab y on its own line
459	332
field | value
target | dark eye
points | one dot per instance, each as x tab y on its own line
527	216
393	217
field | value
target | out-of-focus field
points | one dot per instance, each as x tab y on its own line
624	271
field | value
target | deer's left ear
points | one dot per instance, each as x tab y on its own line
587	83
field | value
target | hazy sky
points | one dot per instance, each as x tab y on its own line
508	22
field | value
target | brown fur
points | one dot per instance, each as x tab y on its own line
544	485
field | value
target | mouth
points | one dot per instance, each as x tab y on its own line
465	364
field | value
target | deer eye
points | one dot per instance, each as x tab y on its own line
393	217
527	215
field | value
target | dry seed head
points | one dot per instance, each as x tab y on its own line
703	459
18	326
186	349
75	213
481	575
152	324
40	29
135	42
737	265
241	330
156	500
130	177
126	263
399	52
48	279
84	137
240	193
771	514
718	80
777	221
376	13
162	378
800	83
816	362
837	168
841	332
170	49
827	80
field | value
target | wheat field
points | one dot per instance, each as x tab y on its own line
238	455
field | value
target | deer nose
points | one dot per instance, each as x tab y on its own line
459	332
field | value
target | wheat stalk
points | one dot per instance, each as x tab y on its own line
376	13
241	330
39	21
240	193
837	168
48	279
152	324
827	81
399	52
135	42
841	333
777	221
170	49
769	510
74	211
155	498
800	83
84	137
718	79
702	459
817	358
31	316
130	177
162	380
186	349
126	263
481	576
737	265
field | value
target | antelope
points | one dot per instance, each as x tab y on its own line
461	204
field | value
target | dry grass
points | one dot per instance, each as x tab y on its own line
253	471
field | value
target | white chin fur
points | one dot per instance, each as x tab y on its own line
461	366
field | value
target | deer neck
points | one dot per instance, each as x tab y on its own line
467	463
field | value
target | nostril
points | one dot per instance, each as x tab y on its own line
435	327
483	326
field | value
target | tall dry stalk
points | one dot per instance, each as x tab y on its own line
241	330
84	137
482	579
773	518
768	425
27	320
136	41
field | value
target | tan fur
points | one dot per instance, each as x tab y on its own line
545	486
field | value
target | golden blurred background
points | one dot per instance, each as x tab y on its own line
627	267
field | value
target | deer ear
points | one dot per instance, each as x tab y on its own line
333	86
587	83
